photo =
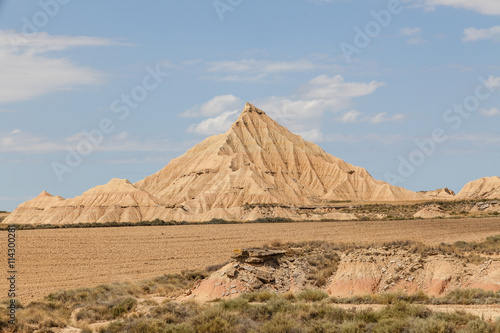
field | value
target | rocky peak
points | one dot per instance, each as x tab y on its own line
250	108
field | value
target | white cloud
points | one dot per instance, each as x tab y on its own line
27	72
335	89
350	117
215	106
415	41
415	35
245	78
351	138
410	31
300	112
384	117
42	42
493	81
257	66
252	70
303	110
215	125
314	135
477	138
18	141
486	7
473	34
354	116
490	113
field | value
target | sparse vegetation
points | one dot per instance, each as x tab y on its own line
398	211
279	314
130	307
105	302
365	212
311	312
141	224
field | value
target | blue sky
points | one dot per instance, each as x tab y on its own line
93	90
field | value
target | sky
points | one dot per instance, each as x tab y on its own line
94	90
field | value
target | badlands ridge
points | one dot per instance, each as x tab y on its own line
257	162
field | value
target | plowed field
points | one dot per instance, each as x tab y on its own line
48	260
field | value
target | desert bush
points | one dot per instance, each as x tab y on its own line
94	313
166	284
44	315
215	320
281	323
477	326
469	296
174	313
123	307
113	327
261	296
237	304
312	295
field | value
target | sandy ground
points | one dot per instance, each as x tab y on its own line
49	260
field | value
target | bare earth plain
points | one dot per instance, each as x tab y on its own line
52	259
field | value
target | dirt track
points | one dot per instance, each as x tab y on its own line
49	260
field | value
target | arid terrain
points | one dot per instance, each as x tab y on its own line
256	169
49	260
324	280
3	215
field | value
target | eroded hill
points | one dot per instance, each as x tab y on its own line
257	163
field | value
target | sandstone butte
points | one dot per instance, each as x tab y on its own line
227	176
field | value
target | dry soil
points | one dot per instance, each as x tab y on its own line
49	260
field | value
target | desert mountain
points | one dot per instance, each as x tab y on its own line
258	161
118	201
32	211
484	188
256	169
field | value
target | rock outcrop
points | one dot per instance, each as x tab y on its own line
255	270
440	194
370	271
354	272
491	206
484	188
431	212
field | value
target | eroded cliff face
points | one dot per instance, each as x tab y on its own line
356	272
386	269
483	188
